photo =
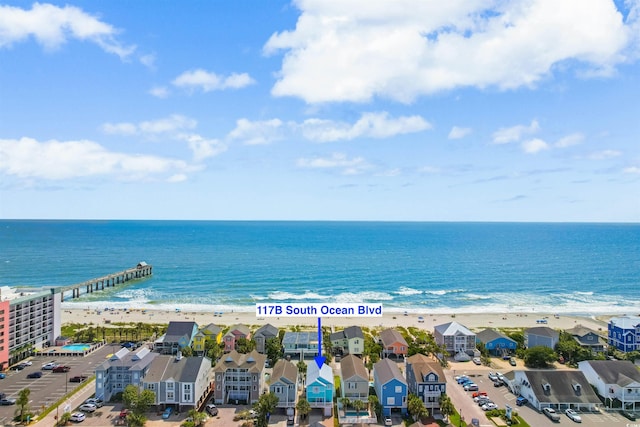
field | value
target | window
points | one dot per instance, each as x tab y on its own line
187	386
255	387
170	395
391	401
187	398
316	389
169	386
398	389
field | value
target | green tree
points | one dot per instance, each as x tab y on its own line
23	403
303	407
273	349
358	405
245	346
213	350
136	420
64	419
197	418
265	405
375	405
446	406
138	402
345	402
302	368
186	351
416	407
539	357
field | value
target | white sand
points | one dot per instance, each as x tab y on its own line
475	321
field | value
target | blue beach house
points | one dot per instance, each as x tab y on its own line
496	343
624	333
390	387
320	387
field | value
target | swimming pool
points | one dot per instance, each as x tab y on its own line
76	347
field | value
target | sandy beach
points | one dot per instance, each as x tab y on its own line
473	321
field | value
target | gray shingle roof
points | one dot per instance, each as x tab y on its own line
253	362
386	370
348	333
562	387
267	331
542	331
390	336
423	365
352	366
285	370
184	370
177	330
621	372
489	335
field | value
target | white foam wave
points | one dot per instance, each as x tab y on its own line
404	290
441	292
284	296
363	296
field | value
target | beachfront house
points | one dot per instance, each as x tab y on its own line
239	378
557	389
235	333
264	333
300	345
207	333
393	343
283	383
181	383
178	336
616	381
624	333
425	379
320	388
354	378
456	338
587	338
541	336
348	341
390	386
496	343
121	369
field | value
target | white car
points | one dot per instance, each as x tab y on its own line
387	421
49	366
88	407
489	406
573	415
77	417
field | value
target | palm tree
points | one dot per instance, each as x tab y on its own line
23	403
64	419
345	402
358	405
303	407
376	407
446	406
197	417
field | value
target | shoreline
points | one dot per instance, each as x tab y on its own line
474	321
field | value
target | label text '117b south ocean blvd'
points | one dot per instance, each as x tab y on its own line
319	309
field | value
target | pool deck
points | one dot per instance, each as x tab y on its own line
59	351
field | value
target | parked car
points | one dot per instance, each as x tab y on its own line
18	367
36	374
167	413
498	383
477	361
461	378
475	422
492	376
573	415
484	401
88	407
489	406
7	401
629	415
479	393
49	366
98	402
521	401
388	421
2	376
77	378
551	414
512	361
77	417
471	387
61	368
212	409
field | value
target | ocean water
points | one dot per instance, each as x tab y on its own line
416	267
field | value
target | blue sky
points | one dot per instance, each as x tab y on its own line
321	110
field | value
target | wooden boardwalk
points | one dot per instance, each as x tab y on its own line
140	271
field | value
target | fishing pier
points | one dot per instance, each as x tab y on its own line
140	271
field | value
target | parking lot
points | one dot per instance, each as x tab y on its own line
463	401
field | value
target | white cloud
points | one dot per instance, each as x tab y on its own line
373	125
159	91
632	170
458	132
534	145
148	61
255	133
569	140
202	148
515	133
174	127
28	158
430	170
360	49
52	26
604	154
207	81
339	161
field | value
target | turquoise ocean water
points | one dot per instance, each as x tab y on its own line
417	267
